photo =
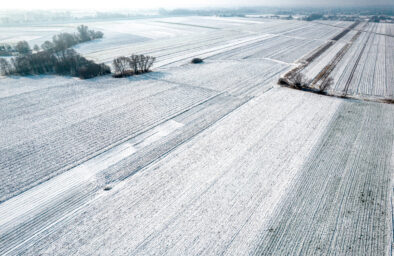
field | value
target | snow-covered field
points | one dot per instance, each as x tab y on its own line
365	68
206	159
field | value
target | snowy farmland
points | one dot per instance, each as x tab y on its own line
212	158
360	63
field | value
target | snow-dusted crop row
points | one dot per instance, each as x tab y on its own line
293	39
47	128
211	195
167	48
279	48
236	77
315	31
366	57
202	159
46	131
314	68
340	201
27	215
273	177
366	68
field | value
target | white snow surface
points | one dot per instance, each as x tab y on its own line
200	159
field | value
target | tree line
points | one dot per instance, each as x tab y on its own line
57	57
59	42
65	62
69	62
22	47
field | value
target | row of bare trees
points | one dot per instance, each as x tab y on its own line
133	65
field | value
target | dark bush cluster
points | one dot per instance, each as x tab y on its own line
59	42
299	81
197	60
67	62
84	34
56	57
22	47
133	65
63	41
314	16
6	50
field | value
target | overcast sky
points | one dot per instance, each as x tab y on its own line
147	4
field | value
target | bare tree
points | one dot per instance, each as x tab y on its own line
121	65
134	59
141	63
147	63
299	81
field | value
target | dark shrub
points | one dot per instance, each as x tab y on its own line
92	69
6	50
95	34
98	35
314	16
47	45
197	60
83	33
64	41
68	62
22	47
283	81
5	67
36	48
299	81
21	66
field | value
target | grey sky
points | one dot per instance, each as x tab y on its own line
135	4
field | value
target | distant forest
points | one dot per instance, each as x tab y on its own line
31	17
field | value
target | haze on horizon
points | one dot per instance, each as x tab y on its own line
170	4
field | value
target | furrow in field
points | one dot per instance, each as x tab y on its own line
339	202
33	161
172	206
35	114
36	210
236	77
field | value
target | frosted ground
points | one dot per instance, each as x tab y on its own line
364	62
205	159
